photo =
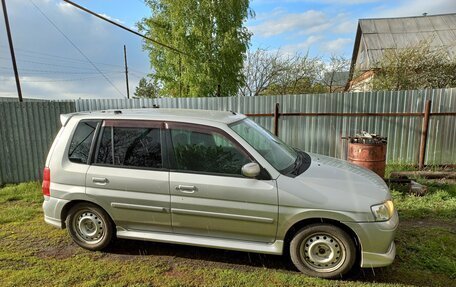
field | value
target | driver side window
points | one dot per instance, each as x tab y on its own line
207	152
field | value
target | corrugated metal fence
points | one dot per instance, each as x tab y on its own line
26	134
331	116
316	124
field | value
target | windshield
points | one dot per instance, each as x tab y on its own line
276	152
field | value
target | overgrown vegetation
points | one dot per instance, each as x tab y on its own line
416	67
276	73
35	254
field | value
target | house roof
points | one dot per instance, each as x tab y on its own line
337	79
374	36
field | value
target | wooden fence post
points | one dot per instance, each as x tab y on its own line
424	134
276	119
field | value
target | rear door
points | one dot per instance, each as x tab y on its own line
128	177
209	196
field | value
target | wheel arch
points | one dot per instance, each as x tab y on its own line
67	207
309	221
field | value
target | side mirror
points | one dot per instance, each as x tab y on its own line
251	169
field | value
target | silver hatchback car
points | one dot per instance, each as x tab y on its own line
214	179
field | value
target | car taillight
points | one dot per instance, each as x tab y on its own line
46	182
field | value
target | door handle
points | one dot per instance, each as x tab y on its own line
100	180
186	188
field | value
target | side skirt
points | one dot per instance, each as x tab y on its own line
275	248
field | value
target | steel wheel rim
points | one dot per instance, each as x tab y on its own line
322	252
89	226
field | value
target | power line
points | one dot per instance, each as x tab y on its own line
25	80
58	65
74	45
124	27
62	80
61	72
46	56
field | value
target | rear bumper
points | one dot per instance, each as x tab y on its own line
53	221
377	241
52	208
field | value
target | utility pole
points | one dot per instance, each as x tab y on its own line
126	71
180	76
219	90
13	56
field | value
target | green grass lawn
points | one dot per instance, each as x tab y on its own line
35	254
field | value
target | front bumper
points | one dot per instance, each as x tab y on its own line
377	241
370	259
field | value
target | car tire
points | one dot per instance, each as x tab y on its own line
323	250
90	226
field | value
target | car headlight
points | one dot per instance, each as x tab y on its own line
384	211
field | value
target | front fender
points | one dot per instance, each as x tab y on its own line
289	216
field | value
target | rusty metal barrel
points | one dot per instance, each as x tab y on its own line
369	151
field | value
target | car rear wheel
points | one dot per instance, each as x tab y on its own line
90	226
323	250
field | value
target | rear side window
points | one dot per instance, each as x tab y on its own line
82	141
130	146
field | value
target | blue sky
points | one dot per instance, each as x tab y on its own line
50	67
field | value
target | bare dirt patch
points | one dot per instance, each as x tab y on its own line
429	222
58	252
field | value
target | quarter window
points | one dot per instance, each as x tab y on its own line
130	146
82	141
209	152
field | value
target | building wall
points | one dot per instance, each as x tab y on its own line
362	83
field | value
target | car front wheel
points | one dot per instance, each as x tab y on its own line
89	226
323	250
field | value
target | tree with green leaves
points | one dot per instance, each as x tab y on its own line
147	88
416	67
212	38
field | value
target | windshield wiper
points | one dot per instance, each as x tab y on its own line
301	164
297	164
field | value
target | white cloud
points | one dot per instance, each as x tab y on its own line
52	88
64	7
349	2
112	18
50	67
336	46
345	2
416	8
311	21
345	27
275	12
301	47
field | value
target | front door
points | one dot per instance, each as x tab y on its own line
209	196
127	177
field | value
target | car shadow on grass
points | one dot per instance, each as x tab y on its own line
245	261
200	256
